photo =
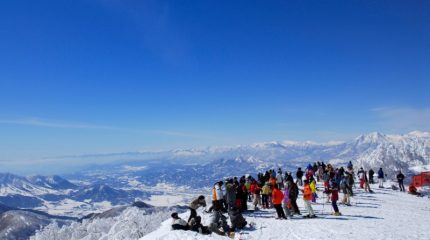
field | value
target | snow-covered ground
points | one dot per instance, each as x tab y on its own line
384	214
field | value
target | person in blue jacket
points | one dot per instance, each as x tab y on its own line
381	178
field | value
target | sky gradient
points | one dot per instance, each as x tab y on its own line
82	77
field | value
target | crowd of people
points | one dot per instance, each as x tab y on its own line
279	190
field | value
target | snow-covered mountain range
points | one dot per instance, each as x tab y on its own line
201	167
56	195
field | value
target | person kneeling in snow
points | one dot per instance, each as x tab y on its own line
178	223
236	218
196	225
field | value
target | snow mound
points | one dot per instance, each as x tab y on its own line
384	214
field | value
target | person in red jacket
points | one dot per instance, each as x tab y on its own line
277	197
335	198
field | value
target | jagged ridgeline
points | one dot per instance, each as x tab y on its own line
201	167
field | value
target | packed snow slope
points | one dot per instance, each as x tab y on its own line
384	214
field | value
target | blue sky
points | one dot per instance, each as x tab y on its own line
100	76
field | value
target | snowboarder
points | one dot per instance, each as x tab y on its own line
381	178
400	178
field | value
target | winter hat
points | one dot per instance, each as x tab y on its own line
175	215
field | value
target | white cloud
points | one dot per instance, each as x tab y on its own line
53	124
404	118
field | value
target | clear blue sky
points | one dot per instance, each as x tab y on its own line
103	76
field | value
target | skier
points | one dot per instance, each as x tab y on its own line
313	186
361	173
334	198
286	201
299	176
257	198
309	172
345	189
196	203
265	195
178	223
400	178
277	198
366	184
381	178
307	197
293	192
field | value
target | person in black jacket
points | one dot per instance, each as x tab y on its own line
293	194
400	178
299	175
371	173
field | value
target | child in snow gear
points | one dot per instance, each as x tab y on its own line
307	197
381	178
277	198
196	203
400	178
178	223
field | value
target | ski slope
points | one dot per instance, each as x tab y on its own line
384	214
